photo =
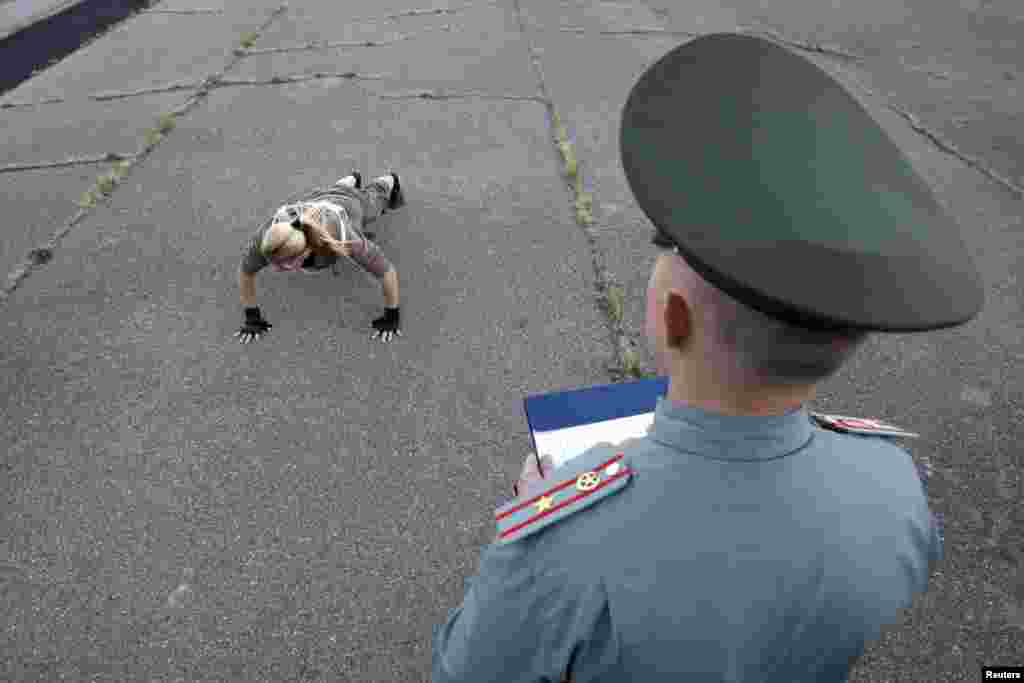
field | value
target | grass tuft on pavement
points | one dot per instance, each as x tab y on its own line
106	183
166	123
120	169
584	201
615	300
631	364
88	199
565	148
584	204
153	136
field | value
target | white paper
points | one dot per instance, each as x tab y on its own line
565	444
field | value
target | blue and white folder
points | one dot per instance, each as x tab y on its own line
564	424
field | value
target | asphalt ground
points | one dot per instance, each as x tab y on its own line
179	507
16	15
35	34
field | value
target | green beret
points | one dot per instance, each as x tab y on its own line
779	188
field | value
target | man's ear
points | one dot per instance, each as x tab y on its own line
678	322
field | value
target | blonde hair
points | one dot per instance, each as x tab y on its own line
278	235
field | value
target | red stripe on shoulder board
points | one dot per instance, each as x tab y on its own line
559	487
536	518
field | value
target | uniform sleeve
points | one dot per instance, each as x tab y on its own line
370	257
253	259
521	624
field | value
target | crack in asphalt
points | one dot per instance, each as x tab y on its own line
183	11
70	161
157	89
820	48
202	89
298	78
33	260
29	105
427	12
938	141
948	147
602	277
278	80
103	96
328	44
833	50
631	32
830	49
472	94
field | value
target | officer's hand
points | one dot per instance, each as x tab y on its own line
387	326
531	472
254	327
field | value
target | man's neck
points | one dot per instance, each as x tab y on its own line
723	402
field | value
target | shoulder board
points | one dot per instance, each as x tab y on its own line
565	494
860	425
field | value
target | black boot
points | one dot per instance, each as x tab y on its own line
396	199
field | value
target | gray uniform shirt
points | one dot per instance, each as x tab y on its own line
744	549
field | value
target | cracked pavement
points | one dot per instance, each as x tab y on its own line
179	507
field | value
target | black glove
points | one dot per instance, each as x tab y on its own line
254	326
386	326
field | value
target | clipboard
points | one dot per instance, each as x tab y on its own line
564	424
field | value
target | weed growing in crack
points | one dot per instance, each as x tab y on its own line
248	40
631	365
120	169
88	199
568	158
584	204
615	303
153	136
565	148
166	123
106	183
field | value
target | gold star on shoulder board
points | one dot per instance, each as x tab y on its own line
544	504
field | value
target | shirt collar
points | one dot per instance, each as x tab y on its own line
730	437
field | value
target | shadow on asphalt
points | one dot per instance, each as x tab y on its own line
46	42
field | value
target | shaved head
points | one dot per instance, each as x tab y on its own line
744	347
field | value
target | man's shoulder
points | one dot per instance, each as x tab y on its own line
863	438
576	489
856	457
860	426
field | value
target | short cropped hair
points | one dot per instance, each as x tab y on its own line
778	353
752	347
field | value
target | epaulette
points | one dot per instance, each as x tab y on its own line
565	495
860	425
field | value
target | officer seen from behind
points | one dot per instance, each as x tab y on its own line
739	541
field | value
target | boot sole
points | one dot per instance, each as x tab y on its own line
397	199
